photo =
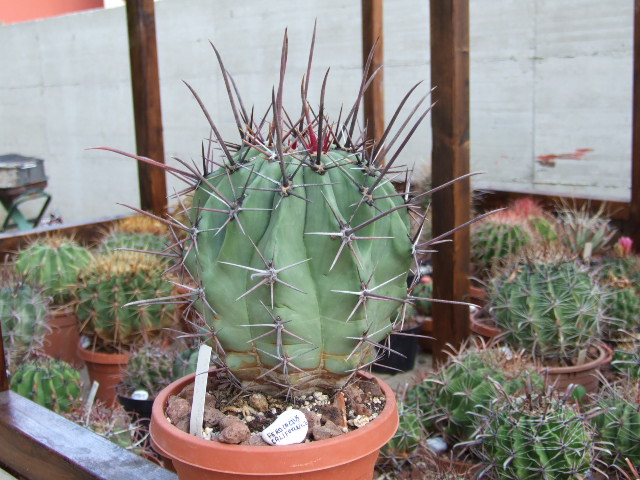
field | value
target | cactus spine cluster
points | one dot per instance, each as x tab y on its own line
535	437
49	382
53	263
108	285
23	311
497	237
553	309
297	242
618	427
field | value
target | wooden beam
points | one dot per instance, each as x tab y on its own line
40	445
145	82
372	30
634	207
449	23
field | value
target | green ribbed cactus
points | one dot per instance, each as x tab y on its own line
553	308
535	437
23	311
185	362
297	242
460	391
497	238
54	263
49	382
108	285
619	277
626	361
408	437
150	368
618	427
147	242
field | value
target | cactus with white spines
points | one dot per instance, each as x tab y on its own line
297	242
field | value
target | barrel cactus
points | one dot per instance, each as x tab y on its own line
107	287
553	308
23	312
54	263
496	238
461	390
408	437
618	426
297	242
619	277
49	382
535	437
150	368
626	361
145	242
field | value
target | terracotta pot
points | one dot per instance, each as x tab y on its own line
585	374
350	456
483	326
62	338
477	295
107	369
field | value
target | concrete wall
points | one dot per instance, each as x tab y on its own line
547	77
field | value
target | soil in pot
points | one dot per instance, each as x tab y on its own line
329	452
63	336
107	369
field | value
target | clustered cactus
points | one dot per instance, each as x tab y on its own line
536	436
23	311
553	308
54	264
107	287
49	382
302	221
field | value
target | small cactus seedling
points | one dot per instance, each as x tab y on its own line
150	368
408	437
297	242
618	426
107	288
23	311
54	263
49	382
552	307
536	436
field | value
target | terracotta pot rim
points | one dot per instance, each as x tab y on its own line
101	357
476	325
271	460
62	318
605	355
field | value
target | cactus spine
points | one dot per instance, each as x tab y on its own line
54	263
150	368
553	309
52	383
108	285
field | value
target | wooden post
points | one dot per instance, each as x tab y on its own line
145	83
372	19
634	207
450	159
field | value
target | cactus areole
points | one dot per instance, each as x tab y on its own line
297	241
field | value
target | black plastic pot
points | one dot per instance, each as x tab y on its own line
406	347
138	410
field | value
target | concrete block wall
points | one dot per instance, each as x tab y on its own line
547	78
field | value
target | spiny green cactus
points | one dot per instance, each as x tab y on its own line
497	238
584	232
619	277
49	382
409	434
23	311
552	308
150	368
108	285
54	263
618	427
146	242
298	242
535	437
626	361
185	363
461	390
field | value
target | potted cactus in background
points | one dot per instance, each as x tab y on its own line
54	263
112	327
298	248
552	306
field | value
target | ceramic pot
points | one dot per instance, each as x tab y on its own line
483	326
350	456
63	336
404	349
585	374
107	369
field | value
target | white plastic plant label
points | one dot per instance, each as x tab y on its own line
289	428
200	390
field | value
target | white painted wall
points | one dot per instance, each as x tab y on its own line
547	77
